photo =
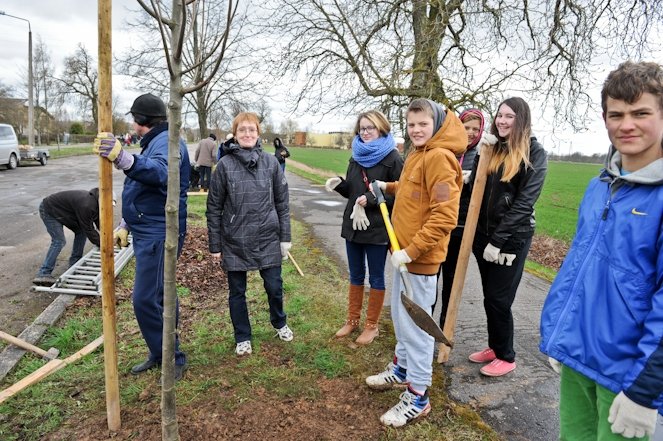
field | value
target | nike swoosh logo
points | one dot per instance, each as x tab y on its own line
638	213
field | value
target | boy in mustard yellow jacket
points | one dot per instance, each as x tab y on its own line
424	213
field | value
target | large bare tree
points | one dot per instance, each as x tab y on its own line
79	81
175	31
458	52
206	26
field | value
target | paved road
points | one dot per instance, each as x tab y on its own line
522	405
23	237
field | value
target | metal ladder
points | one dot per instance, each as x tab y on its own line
84	277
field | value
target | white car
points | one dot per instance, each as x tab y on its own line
9	153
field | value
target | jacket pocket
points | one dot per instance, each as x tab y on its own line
414	186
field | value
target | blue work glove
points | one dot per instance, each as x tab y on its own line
630	419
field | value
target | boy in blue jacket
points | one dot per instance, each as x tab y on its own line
602	323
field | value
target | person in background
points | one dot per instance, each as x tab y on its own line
373	157
281	152
473	121
516	172
77	210
602	322
248	223
425	211
230	139
205	157
144	215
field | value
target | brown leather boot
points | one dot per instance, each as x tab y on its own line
355	300
375	302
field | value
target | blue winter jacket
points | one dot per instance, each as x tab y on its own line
603	316
146	186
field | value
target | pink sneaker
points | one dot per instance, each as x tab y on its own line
497	368
485	356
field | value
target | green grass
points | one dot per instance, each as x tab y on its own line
557	208
333	160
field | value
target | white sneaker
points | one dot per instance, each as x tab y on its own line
243	348
285	333
392	376
410	407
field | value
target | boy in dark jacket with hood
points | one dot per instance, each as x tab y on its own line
602	323
77	210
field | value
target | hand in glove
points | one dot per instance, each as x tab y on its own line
466	176
285	247
491	253
487	139
555	365
399	258
106	146
506	259
381	185
121	236
359	219
630	419
332	183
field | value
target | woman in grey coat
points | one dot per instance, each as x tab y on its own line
248	222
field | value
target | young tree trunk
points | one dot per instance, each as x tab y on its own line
169	425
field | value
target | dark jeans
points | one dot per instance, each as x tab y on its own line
358	254
447	270
56	230
239	313
147	296
500	283
205	176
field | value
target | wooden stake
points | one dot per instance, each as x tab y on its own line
48	369
106	219
299	270
464	253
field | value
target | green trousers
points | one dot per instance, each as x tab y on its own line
584	407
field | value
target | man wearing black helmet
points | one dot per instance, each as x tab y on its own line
143	213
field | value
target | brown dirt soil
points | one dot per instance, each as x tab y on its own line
341	411
548	252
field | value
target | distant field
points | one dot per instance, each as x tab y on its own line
556	210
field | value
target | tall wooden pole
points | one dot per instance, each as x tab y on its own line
106	220
465	250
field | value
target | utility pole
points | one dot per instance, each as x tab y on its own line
31	110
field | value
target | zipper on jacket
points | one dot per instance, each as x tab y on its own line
582	267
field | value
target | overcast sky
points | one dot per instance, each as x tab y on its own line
63	24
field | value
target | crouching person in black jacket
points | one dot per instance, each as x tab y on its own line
248	222
77	210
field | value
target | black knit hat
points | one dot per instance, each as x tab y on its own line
148	105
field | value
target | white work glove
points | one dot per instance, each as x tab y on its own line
555	365
359	219
491	253
630	419
332	183
506	259
466	176
285	247
381	185
399	258
486	139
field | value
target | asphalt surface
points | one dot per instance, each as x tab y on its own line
521	405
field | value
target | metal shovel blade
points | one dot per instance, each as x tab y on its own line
424	320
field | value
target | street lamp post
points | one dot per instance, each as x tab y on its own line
31	110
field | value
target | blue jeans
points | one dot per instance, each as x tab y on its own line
55	229
282	166
205	176
358	254
239	313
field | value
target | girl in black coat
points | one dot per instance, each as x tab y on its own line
374	157
281	152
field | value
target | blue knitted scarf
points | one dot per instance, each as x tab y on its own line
368	154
